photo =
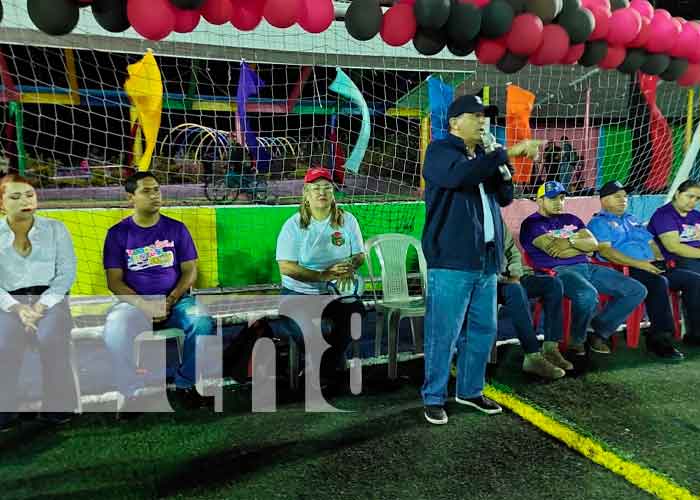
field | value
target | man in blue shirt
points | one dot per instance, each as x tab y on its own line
623	240
463	246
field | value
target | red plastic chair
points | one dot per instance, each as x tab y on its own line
676	306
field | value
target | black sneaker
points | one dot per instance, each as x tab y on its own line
664	349
52	418
189	399
599	345
481	403
435	414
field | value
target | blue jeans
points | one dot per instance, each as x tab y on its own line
52	339
516	304
460	314
125	322
582	284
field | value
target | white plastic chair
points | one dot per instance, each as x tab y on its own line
159	336
396	302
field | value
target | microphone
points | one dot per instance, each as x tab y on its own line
490	145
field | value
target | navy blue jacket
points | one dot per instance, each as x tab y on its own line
453	235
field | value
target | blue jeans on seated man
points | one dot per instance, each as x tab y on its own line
52	339
460	314
335	330
515	298
125	322
582	284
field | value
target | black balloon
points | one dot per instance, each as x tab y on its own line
111	15
496	19
578	23
633	61
363	19
675	69
461	50
511	63
431	14
594	53
464	23
429	42
619	4
187	4
569	5
656	64
546	10
54	17
518	6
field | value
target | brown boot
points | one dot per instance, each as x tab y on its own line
536	364
550	351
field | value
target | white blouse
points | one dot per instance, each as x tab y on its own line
51	263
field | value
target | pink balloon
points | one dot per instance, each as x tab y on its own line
616	54
688	41
152	19
605	4
625	25
602	22
664	32
186	20
643	7
574	53
282	13
554	47
216	11
316	16
526	34
643	36
247	14
490	51
694	54
691	76
398	25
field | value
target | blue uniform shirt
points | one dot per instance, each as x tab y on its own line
624	233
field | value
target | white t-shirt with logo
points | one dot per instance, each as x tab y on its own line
317	247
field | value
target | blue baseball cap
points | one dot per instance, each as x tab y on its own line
551	189
465	104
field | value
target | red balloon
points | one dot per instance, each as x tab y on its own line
282	13
694	55
625	25
664	32
602	22
186	20
574	53
643	7
316	16
691	76
554	47
490	51
616	54
247	14
526	34
216	11
398	25
152	19
687	41
643	36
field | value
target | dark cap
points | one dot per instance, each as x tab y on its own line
612	187
465	104
316	173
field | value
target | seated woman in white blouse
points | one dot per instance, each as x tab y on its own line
37	269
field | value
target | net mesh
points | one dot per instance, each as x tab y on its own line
68	123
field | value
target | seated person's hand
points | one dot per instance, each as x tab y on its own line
40	309
339	270
650	268
513	279
27	315
557	247
155	310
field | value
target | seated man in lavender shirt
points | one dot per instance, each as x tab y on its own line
560	241
146	255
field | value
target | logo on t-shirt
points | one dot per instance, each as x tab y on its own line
565	232
691	232
337	239
154	255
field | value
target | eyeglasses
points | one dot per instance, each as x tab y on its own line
321	189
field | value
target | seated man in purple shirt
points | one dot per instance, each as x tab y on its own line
560	241
147	255
676	230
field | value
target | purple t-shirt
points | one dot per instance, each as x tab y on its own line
150	257
560	226
667	219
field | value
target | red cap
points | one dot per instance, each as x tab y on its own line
316	173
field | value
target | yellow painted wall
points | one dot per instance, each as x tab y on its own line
88	229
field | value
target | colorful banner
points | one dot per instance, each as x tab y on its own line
440	96
519	104
345	87
249	84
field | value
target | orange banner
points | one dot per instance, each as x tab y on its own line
519	104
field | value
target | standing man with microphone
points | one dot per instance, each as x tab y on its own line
463	246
